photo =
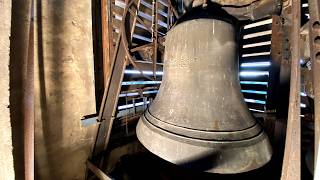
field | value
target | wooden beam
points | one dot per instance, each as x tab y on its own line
291	167
100	174
110	99
106	38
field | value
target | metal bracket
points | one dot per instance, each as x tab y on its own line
89	120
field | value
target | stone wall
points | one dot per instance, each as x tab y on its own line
6	158
64	88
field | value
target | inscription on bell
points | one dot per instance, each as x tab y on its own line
182	62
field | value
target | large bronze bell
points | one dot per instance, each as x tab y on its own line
199	118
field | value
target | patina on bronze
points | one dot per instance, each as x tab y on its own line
199	118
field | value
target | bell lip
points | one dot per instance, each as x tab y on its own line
235	135
201	142
224	158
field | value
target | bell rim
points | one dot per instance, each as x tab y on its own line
155	139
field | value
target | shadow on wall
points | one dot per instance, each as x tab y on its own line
18	55
64	89
51	116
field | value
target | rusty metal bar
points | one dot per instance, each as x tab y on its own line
155	37
29	104
291	167
314	35
140	20
276	57
124	38
152	21
100	174
278	90
135	18
168	18
174	11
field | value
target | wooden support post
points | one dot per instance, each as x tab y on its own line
291	167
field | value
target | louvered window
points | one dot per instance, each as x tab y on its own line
255	63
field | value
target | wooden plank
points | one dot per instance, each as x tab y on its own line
291	167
